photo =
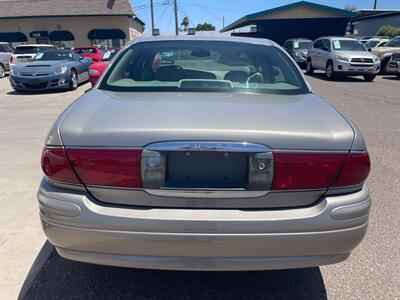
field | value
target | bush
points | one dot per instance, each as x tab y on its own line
388	30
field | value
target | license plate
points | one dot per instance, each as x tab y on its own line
24	59
35	82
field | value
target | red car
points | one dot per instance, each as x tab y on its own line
96	69
93	52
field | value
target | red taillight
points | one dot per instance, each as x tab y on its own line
293	171
114	168
56	166
355	171
11	59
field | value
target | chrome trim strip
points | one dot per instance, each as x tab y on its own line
205	193
63	185
208	146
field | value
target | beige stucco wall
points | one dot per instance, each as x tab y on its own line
78	26
300	13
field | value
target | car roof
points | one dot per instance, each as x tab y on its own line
234	39
337	37
299	39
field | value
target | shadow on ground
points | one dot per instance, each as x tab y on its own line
63	279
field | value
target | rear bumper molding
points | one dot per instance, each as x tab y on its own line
204	239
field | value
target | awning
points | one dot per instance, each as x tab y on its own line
12	37
106	34
61	35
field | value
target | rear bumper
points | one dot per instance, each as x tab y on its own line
201	239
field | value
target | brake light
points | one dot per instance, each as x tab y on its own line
113	168
294	171
56	166
11	59
355	171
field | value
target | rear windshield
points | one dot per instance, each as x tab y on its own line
109	55
304	45
348	45
26	50
86	50
371	44
55	55
204	66
31	49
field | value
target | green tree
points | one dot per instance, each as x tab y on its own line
388	30
205	27
185	23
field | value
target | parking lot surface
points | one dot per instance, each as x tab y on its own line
372	272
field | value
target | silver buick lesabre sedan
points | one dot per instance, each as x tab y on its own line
201	153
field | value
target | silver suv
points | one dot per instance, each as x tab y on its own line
339	55
5	52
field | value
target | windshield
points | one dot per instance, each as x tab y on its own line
55	55
393	42
86	50
204	66
371	44
348	45
305	45
109	55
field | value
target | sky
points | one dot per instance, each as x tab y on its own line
213	11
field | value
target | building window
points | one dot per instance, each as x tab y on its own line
111	38
62	39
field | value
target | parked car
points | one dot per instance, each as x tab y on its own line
384	53
204	164
56	69
93	52
338	55
5	53
26	53
375	43
298	49
97	69
394	64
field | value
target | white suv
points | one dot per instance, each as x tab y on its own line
26	53
339	55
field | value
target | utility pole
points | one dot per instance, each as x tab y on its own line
176	17
152	15
375	4
223	22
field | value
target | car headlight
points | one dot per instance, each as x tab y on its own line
61	70
342	58
94	72
376	59
13	72
298	53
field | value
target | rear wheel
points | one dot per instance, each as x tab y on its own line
73	80
309	67
369	77
2	71
329	71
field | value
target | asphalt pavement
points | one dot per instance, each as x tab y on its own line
372	271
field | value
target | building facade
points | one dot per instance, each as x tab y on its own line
68	23
368	22
300	19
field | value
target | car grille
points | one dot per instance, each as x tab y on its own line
34	74
38	86
362	60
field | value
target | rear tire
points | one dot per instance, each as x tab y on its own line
73	80
329	71
369	77
2	71
309	67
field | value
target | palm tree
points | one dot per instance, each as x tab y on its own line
185	23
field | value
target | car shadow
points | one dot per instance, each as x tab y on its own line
48	92
339	78
64	279
394	77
